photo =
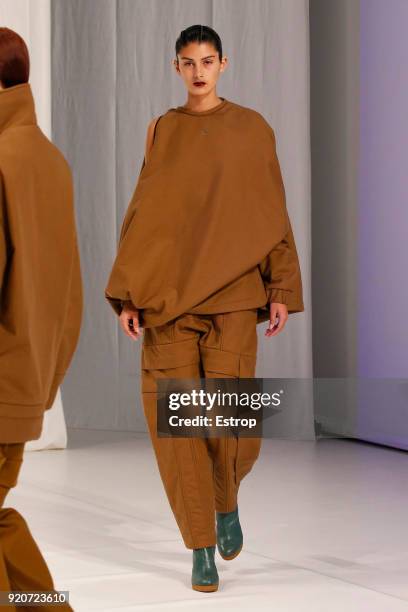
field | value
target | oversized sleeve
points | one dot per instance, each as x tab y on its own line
72	321
122	295
280	269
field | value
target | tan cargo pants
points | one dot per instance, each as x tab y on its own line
200	475
22	566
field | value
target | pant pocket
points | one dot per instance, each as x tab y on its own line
220	362
170	360
239	333
247	366
160	334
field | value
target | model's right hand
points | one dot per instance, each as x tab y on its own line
129	321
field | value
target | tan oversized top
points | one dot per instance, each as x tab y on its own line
207	229
40	283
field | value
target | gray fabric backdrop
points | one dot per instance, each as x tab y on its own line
111	73
334	85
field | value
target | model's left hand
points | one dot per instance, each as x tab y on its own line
280	312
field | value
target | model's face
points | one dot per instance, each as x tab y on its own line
199	62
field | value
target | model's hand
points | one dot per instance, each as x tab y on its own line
280	312
129	321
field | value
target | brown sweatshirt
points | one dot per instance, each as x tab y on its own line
207	229
40	276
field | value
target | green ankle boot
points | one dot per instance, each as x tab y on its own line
229	534
204	576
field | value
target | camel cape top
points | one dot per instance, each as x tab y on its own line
40	274
208	207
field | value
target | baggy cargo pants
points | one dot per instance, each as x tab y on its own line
200	475
22	566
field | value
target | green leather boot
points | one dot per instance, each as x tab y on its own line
229	534
204	576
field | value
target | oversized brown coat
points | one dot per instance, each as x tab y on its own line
40	277
207	229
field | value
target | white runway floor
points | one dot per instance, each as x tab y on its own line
325	528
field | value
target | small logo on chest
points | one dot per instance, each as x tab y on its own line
204	131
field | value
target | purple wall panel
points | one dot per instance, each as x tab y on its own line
383	223
383	191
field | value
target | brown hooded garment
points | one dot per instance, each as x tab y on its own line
207	229
40	277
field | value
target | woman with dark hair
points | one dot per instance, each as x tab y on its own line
14	59
206	252
40	301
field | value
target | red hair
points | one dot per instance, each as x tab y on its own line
14	59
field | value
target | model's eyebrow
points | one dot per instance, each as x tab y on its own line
190	58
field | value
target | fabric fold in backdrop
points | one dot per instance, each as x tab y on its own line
208	208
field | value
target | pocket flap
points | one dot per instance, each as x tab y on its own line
170	355
222	362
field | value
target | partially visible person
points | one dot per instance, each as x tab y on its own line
40	299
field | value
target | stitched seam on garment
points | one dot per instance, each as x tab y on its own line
233	302
222	331
20	404
236	462
211	348
180	478
33	417
221	374
280	289
172	366
167	343
226	472
176	365
196	469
